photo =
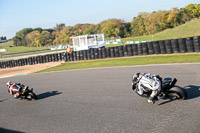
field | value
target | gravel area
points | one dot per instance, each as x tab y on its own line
27	69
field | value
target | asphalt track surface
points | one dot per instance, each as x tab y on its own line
101	101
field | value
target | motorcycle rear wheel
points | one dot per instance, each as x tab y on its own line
177	93
31	96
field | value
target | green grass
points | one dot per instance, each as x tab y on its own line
188	29
13	49
129	61
6	44
113	45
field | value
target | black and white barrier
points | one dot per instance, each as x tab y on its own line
181	45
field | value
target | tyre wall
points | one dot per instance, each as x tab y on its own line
171	46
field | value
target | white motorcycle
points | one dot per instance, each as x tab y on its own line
168	90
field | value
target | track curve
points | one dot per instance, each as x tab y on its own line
101	101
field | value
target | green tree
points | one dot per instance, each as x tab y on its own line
60	38
109	29
60	27
138	26
31	38
112	27
193	10
45	38
89	29
125	30
17	41
38	29
20	37
69	30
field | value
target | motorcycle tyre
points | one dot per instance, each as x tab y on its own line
176	90
32	95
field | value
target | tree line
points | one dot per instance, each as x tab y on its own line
144	24
3	38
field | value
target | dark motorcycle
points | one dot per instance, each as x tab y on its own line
28	94
168	90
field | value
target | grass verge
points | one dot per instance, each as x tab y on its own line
6	44
12	50
128	61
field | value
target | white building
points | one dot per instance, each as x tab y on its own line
85	42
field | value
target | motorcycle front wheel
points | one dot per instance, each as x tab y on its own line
31	96
177	92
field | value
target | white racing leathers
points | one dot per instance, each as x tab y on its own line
152	83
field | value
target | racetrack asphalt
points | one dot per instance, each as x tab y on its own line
101	101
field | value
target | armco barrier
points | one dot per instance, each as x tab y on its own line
182	45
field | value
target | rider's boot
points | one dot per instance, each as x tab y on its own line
151	100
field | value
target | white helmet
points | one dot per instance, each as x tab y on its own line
9	83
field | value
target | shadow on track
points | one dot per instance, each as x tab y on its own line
192	91
3	130
48	94
3	100
165	102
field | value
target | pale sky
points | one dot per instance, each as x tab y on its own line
19	14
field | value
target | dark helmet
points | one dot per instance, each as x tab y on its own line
136	77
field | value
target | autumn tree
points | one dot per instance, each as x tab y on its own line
113	28
32	39
60	38
193	10
60	27
89	29
45	38
19	39
138	26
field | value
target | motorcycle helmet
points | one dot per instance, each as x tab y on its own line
136	77
135	80
9	83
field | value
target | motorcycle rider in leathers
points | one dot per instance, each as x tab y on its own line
14	88
146	81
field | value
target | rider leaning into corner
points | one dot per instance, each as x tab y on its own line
147	81
14	88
